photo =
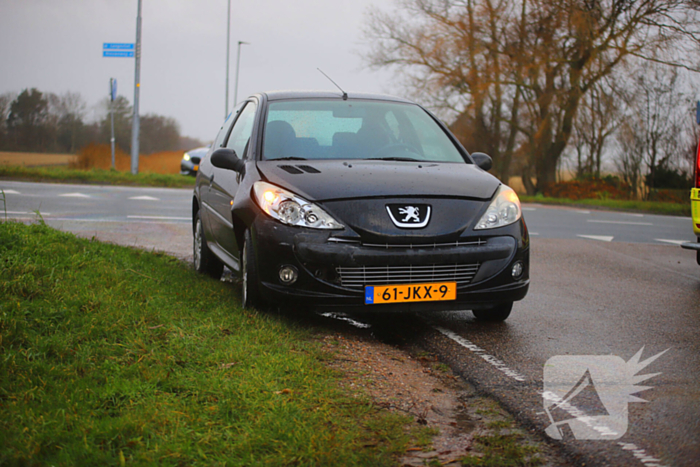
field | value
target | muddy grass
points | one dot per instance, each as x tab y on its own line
468	429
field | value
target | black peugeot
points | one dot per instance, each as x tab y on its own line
356	201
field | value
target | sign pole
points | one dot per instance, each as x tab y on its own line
112	93
228	54
135	126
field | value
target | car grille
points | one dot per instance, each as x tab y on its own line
358	277
411	246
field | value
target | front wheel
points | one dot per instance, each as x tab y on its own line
250	293
204	260
494	314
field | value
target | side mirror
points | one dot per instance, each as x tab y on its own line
225	158
482	160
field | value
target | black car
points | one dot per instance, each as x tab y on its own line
189	165
357	201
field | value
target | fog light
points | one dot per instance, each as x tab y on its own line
288	275
518	269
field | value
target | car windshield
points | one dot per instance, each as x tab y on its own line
354	129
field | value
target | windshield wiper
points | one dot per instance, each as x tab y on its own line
404	159
289	158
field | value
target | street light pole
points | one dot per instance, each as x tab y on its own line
112	95
135	125
228	45
238	63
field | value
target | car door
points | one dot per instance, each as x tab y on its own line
224	183
205	177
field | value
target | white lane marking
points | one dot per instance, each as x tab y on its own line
145	198
581	212
101	221
159	218
528	209
674	242
10	192
534	233
632	215
601	238
19	213
618	222
496	363
75	195
639	453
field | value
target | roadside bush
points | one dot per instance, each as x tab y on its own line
609	187
99	156
670	196
669	179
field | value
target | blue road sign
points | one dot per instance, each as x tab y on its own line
117	53
117	46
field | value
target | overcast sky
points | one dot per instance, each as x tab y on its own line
56	46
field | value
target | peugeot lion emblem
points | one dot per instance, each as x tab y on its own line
409	216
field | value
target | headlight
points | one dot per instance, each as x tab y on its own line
504	210
186	157
291	209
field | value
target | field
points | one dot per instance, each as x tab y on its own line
97	156
35	159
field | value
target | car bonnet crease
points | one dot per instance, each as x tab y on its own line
325	180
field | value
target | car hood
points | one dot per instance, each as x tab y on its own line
330	180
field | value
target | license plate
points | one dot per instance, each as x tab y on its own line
405	293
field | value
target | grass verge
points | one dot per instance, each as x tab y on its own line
96	176
111	355
651	207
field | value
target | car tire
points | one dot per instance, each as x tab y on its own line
250	291
494	314
204	260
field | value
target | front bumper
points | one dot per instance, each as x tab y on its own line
322	261
695	209
189	167
695	212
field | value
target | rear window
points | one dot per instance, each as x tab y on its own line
334	129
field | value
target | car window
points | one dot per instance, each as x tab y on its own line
242	129
334	129
221	135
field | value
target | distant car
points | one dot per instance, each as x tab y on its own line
695	209
190	161
359	202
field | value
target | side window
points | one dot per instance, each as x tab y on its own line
242	129
221	136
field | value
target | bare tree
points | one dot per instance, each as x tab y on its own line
630	156
515	72
69	110
597	120
657	129
5	101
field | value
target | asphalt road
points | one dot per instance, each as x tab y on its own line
151	218
603	285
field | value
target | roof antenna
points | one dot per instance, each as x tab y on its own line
345	94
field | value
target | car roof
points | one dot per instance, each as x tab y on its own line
282	95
